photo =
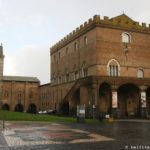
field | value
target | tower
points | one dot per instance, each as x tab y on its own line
1	73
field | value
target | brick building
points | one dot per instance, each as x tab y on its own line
18	93
46	101
103	65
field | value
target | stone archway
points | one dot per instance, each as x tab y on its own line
129	100
5	107
105	99
75	100
148	100
65	108
19	108
32	108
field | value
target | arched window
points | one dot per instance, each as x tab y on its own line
126	37
140	73
113	68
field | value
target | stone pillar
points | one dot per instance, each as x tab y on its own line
94	100
114	101
84	95
92	107
84	99
143	101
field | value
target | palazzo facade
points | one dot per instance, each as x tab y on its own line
103	65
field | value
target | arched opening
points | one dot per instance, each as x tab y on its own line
5	107
148	100
105	99
32	108
19	108
129	100
75	100
65	108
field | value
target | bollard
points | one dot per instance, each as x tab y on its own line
110	120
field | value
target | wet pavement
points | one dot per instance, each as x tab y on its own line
119	135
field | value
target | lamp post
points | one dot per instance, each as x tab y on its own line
89	109
93	111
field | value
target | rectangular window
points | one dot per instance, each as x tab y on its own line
116	70
76	75
67	78
59	55
85	41
67	51
75	46
59	80
85	72
113	71
54	57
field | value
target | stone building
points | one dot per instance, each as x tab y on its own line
18	93
103	65
46	102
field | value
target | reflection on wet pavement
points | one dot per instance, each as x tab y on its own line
119	135
38	134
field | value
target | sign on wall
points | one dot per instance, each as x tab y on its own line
143	99
114	100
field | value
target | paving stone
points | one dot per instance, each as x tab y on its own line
120	135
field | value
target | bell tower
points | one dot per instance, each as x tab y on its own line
1	73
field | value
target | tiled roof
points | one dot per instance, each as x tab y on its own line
20	78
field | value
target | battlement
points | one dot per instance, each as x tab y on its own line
121	21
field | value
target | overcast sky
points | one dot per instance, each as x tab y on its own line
28	28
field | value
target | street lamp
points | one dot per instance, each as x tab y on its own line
93	111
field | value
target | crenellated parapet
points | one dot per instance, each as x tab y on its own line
121	22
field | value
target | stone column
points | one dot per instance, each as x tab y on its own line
95	95
92	109
143	101
84	98
114	101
